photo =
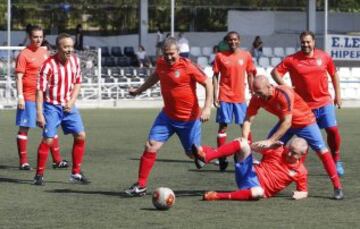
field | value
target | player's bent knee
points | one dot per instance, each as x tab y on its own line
80	136
257	192
152	146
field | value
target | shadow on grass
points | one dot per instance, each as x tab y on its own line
105	193
15	181
210	170
8	167
167	160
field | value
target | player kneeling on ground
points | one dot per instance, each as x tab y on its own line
279	167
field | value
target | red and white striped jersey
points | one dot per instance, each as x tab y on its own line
57	80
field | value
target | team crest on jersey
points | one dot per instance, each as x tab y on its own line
177	74
319	62
241	61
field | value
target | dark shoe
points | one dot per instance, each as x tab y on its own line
199	156
38	180
25	166
223	164
136	190
61	165
79	178
338	194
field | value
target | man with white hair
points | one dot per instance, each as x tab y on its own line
279	167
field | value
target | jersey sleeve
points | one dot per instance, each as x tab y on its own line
285	103
283	67
301	180
250	67
196	73
43	77
330	67
254	106
78	77
20	63
216	65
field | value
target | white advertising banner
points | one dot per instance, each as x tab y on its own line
344	47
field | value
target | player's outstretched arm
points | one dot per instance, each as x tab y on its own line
277	78
205	113
336	84
151	80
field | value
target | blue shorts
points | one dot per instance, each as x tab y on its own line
325	116
310	133
245	175
163	128
55	116
27	117
229	111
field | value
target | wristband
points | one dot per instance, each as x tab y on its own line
20	96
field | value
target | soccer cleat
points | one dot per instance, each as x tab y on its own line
136	190
338	194
78	178
25	166
61	165
223	164
340	168
199	156
38	180
209	196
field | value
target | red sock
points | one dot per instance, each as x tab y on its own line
147	161
21	141
223	151
221	138
55	150
244	194
42	156
330	168
77	155
334	142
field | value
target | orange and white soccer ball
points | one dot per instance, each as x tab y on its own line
163	198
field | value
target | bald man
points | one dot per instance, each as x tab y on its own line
279	167
295	118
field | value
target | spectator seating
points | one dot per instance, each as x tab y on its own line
202	61
275	61
195	51
267	52
289	50
279	52
207	51
264	62
105	51
116	51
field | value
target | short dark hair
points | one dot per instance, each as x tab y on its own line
231	33
35	28
307	33
60	37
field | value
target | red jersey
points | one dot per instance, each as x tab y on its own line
178	88
232	67
275	173
282	102
57	80
309	76
29	62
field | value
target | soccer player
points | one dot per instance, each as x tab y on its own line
308	69
181	113
229	91
279	167
58	87
28	66
295	118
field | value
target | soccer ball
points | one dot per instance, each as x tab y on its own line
163	198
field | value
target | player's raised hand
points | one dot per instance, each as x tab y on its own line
133	91
40	120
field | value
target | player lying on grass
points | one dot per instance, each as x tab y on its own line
279	167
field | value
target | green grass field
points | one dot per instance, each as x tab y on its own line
115	143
